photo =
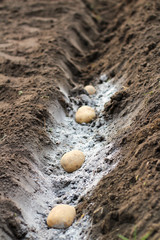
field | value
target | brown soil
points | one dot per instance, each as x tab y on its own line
48	44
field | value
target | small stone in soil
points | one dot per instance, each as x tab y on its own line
92	124
99	123
99	169
110	161
74	197
59	201
103	78
85	99
112	196
99	138
41	138
106	160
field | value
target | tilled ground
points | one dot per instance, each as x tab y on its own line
50	47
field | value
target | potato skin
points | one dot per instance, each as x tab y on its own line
90	89
61	216
85	114
72	160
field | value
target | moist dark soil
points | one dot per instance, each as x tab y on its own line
47	46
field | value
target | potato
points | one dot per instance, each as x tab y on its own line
61	216
85	114
72	160
90	89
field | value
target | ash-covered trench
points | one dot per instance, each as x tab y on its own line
58	186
